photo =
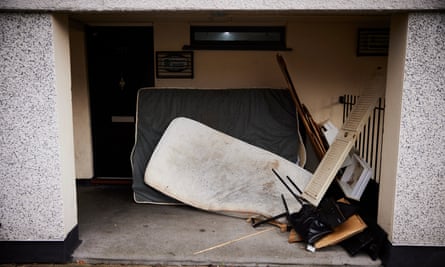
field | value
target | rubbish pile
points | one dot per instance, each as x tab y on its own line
223	174
218	173
332	222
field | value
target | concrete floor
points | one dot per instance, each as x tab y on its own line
115	230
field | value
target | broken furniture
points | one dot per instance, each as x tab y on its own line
332	159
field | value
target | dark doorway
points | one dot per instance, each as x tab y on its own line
120	61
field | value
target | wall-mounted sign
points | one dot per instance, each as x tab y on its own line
172	64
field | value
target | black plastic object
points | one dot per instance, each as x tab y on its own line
335	213
370	241
308	224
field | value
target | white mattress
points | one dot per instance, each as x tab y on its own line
210	170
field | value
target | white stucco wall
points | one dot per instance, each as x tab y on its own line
81	104
393	99
419	210
64	119
37	192
178	5
412	188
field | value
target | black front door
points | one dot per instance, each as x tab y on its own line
120	61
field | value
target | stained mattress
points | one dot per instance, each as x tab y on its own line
213	171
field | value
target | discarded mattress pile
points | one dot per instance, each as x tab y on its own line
212	171
240	154
178	159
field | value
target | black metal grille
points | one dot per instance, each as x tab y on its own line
369	142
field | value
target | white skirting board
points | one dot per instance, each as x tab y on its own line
210	170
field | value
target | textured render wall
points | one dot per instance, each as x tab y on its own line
323	5
419	213
31	189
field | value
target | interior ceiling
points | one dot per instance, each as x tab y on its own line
224	17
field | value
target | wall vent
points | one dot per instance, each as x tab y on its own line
373	42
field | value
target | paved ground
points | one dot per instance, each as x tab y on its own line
115	230
106	265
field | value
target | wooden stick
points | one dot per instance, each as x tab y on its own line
310	126
233	241
321	139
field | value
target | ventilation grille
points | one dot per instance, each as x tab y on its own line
373	42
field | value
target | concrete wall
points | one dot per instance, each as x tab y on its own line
323	62
64	118
81	103
37	196
178	5
412	205
390	151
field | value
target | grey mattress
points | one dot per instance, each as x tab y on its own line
262	117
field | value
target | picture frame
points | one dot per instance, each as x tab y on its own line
174	65
355	178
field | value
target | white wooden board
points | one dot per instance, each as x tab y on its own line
210	170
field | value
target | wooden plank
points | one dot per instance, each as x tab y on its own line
316	138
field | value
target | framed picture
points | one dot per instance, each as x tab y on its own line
174	64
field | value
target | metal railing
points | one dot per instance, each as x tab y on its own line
369	142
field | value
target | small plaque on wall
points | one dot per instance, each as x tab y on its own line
172	64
